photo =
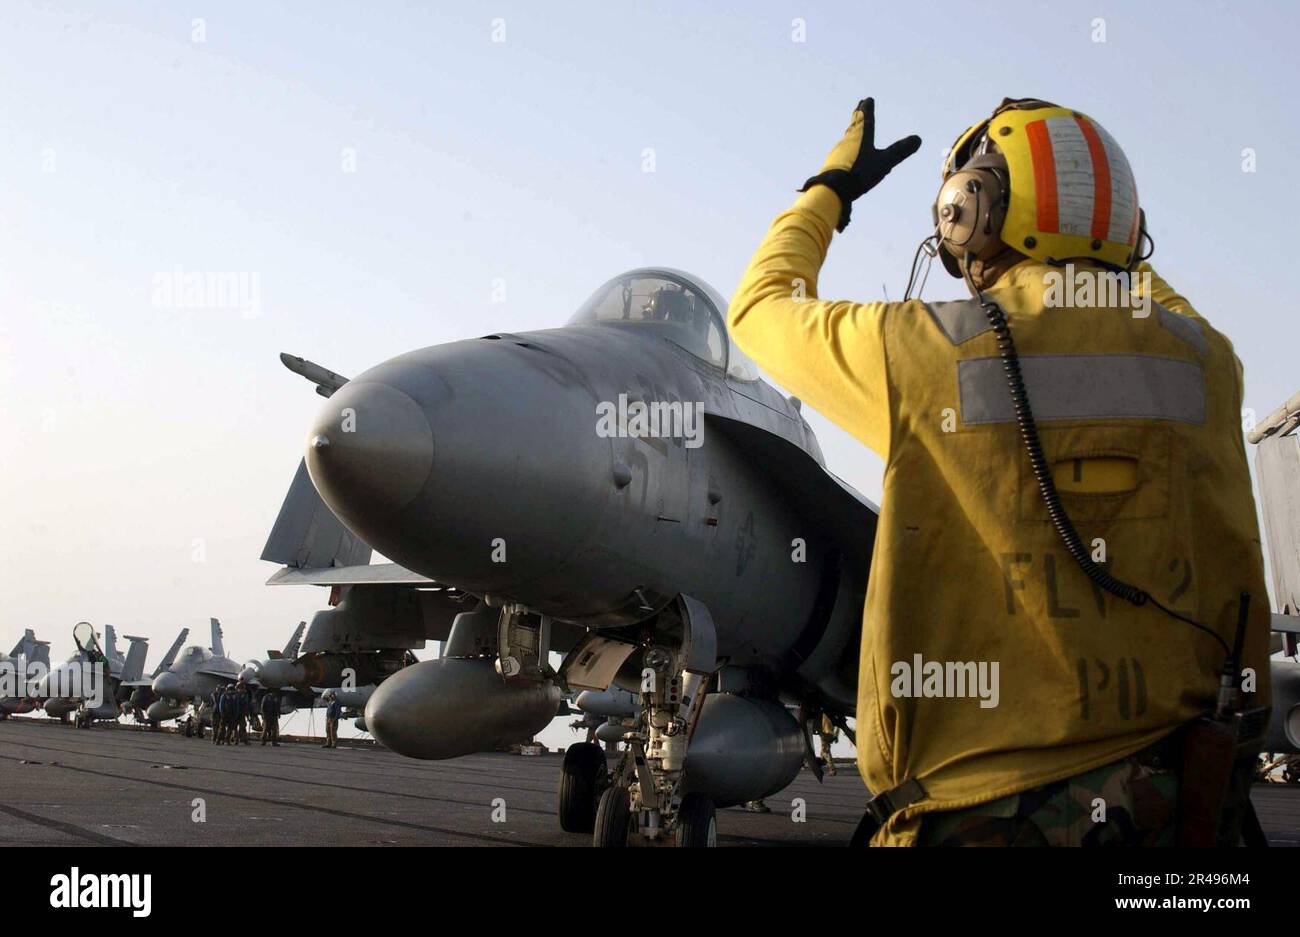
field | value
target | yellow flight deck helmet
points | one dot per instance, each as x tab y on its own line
1045	181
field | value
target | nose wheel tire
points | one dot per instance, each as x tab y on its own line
697	821
613	819
582	778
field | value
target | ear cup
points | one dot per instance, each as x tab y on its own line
968	214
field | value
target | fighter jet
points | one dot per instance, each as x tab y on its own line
108	708
140	692
624	490
87	683
20	669
195	674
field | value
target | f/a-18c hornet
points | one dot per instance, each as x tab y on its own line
196	672
87	684
625	491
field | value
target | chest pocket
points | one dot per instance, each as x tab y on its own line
1096	474
1103	473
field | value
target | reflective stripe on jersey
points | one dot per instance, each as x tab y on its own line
1085	387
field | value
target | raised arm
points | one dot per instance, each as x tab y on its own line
1165	294
830	354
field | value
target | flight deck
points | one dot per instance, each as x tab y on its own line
119	786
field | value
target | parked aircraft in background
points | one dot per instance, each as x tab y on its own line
196	672
140	692
26	665
90	675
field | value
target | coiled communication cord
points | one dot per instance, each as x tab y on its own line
1056	512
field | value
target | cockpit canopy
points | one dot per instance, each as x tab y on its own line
682	308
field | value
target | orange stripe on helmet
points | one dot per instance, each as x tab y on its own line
1102	184
1040	152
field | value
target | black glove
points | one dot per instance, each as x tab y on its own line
855	167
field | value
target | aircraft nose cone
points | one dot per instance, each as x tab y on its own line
370	450
168	685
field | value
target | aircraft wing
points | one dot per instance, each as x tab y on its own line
376	574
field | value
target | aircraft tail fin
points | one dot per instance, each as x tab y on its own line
218	648
110	643
291	649
41	653
25	645
170	657
133	667
32	650
307	535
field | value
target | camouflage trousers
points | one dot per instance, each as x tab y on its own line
1132	802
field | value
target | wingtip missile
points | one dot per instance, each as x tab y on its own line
326	381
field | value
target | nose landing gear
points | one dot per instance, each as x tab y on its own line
645	798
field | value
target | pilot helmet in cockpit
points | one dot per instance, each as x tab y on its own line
672	304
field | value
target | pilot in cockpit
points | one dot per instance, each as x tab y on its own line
672	304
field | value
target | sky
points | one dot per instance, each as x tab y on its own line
385	176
